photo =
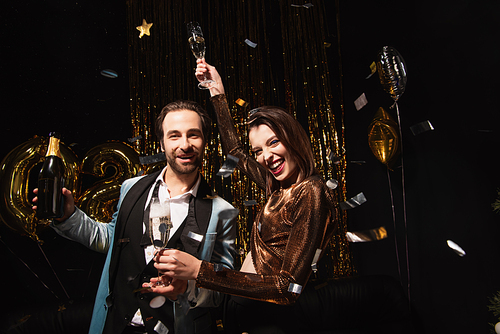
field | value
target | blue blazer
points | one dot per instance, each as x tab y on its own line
217	246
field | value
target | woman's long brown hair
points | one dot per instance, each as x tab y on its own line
291	134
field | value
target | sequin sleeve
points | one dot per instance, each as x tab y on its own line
231	143
311	221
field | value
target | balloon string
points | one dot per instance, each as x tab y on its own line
55	274
404	200
394	222
28	267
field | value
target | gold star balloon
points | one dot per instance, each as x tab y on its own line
144	28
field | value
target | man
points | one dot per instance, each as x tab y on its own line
121	306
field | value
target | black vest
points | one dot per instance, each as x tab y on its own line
128	268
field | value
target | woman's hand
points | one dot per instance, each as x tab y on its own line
177	264
206	71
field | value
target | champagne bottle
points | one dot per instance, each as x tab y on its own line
51	182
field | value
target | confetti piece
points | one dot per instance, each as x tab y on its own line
358	162
307	5
373	70
367	235
314	264
250	202
228	166
195	236
360	102
151	159
242	103
295	288
133	140
332	156
354	202
109	74
421	127
210	197
456	248
157	302
250	43
332	184
253	111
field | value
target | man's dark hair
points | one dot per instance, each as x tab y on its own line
206	122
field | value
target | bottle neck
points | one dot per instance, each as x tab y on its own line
53	149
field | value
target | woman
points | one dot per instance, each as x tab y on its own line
289	233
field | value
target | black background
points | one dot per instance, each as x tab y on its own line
52	53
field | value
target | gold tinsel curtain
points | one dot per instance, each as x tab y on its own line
288	67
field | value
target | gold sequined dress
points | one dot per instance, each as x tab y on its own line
293	224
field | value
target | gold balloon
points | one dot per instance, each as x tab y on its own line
154	167
15	171
99	201
383	138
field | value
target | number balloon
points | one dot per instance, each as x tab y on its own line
15	170
99	201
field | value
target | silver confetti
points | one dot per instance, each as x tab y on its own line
295	288
367	235
228	166
109	74
315	260
421	127
250	202
195	236
354	202
132	140
332	183
307	5
332	156
250	43
151	159
360	102
456	248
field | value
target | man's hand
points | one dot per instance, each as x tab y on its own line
173	287
69	204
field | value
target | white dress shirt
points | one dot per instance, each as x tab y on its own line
179	207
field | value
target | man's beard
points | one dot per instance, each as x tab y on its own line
183	168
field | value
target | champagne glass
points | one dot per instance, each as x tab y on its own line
159	227
197	44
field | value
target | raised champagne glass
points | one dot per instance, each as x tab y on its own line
197	45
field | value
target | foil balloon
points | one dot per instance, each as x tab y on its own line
21	165
391	70
99	200
383	138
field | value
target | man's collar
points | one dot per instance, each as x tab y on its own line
194	189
